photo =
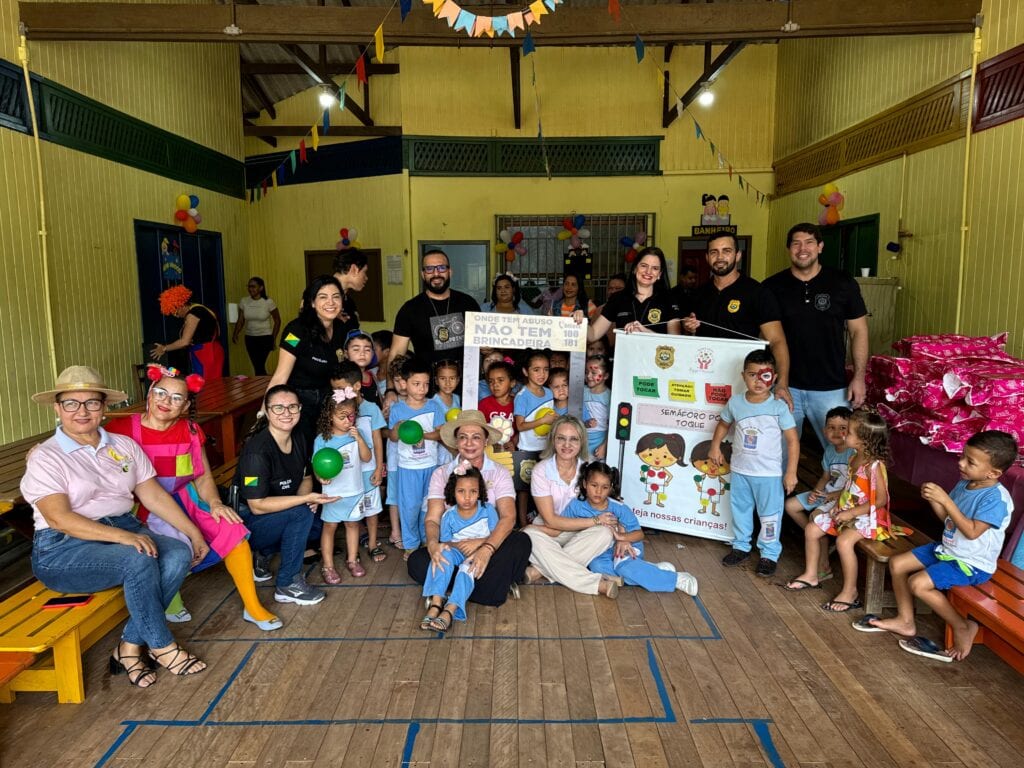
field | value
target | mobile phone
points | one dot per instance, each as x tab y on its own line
66	601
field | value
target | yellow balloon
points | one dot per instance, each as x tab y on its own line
565	234
830	189
183	203
453	414
500	247
543	429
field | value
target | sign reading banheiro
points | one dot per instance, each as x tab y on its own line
493	329
667	394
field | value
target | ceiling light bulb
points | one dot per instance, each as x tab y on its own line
706	98
327	98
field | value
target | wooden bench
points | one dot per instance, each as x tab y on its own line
54	638
998	607
876	557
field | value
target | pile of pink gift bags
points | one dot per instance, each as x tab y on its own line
946	387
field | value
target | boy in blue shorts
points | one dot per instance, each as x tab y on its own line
760	424
975	514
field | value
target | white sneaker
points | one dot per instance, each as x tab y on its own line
666	566
180	617
267	626
686	583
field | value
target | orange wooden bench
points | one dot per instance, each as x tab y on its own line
998	606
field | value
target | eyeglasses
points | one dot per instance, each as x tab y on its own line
278	408
439	269
71	406
161	394
572	439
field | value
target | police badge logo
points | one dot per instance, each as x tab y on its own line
822	302
654	316
733	306
442	333
664	357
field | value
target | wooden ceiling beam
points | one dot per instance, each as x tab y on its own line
711	71
262	98
656	24
331	67
268	139
263	131
322	77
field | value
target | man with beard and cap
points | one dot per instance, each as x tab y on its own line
819	305
734	306
435	320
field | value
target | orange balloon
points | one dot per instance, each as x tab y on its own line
190	225
510	256
831	216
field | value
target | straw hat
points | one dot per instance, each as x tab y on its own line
79	378
468	417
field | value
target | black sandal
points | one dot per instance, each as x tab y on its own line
441	624
427	623
178	666
137	670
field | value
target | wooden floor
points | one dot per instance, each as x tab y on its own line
747	674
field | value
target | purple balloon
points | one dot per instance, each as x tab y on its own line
641	238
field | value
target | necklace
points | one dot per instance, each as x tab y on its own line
639	313
442	333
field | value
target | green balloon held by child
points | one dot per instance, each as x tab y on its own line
328	463
410	432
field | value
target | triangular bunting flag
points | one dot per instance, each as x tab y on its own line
680	107
280	172
515	21
696	127
527	17
721	161
740	178
638	44
361	69
405	6
273	178
482	26
252	196
302	151
712	144
316	138
464	22
438	4
500	25
538	10
341	97
614	10
449	12
550	4
263	186
327	121
258	196
291	156
730	172
378	43
528	46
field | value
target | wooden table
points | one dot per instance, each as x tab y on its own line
12	467
220	407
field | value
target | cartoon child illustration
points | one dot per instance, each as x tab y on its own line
710	481
658	451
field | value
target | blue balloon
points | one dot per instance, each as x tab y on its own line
578	220
193	201
627	241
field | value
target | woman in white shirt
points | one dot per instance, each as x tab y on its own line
259	318
563	547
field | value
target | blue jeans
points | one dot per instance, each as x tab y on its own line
766	494
635	571
285	532
66	564
814	405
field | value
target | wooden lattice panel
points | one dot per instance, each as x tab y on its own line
931	118
999	93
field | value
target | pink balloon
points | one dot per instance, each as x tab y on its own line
575	241
835	198
521	249
641	238
198	218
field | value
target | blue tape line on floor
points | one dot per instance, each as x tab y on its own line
410	742
761	729
128	731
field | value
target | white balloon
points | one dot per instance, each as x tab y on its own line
353	233
583	234
505	235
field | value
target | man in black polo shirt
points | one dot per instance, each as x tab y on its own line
351	269
734	306
435	320
819	305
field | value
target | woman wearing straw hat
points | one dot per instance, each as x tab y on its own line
80	484
499	560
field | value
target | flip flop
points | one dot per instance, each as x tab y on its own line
922	646
805	585
841	606
863	624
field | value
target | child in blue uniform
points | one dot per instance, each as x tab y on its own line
598	492
337	429
469	519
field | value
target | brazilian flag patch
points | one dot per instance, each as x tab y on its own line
251	482
291	340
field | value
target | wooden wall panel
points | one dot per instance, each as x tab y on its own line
1004	26
826	86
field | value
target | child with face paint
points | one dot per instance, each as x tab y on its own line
759	423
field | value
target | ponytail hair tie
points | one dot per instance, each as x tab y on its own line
194	382
461	468
341	395
155	372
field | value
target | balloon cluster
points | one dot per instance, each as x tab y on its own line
187	213
573	230
633	244
511	244
833	201
348	239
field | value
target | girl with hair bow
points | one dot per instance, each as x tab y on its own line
336	429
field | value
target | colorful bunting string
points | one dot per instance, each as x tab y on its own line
478	25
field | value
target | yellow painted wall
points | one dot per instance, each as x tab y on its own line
91	206
1004	26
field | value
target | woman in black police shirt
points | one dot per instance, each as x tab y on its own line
310	348
645	305
277	498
